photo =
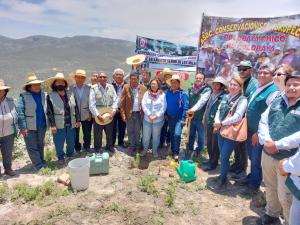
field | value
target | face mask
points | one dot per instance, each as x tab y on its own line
60	87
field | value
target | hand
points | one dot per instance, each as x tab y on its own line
90	117
217	125
23	132
77	124
280	167
183	123
190	111
270	147
124	119
100	118
254	139
215	130
53	130
152	117
112	114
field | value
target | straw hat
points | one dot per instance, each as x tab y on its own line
136	60
31	79
105	113
78	72
3	86
176	77
219	80
58	76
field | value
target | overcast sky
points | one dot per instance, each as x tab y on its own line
176	20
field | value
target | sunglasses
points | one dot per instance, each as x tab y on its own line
279	74
243	69
102	76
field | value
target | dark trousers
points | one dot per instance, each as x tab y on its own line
7	145
86	130
119	126
212	147
165	133
240	157
98	129
35	147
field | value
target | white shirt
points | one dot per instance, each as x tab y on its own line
286	143
135	100
155	107
269	99
6	119
238	114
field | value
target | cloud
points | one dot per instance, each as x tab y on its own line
178	21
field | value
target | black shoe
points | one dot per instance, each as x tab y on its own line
209	168
233	168
222	185
266	219
250	191
242	181
239	175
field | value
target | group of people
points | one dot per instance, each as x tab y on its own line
154	111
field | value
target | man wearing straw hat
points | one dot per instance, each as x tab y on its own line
81	92
165	75
177	105
8	128
63	115
103	104
32	109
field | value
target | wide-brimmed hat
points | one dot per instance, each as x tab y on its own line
219	80
31	79
58	76
176	77
78	72
136	59
3	86
105	113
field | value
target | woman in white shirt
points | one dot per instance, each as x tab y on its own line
154	106
8	124
226	145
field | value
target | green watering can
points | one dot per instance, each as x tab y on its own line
186	171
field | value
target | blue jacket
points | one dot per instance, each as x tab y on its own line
177	104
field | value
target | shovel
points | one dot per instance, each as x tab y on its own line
189	117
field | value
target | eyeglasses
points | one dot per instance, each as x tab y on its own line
279	74
243	69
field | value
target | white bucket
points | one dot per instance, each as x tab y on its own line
79	173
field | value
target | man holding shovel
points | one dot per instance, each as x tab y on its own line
199	94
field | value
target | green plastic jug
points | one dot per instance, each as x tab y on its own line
99	163
186	170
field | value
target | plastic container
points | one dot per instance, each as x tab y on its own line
79	173
99	163
186	170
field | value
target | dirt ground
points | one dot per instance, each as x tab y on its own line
120	198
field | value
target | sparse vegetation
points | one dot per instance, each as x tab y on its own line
59	210
40	193
170	197
4	191
146	184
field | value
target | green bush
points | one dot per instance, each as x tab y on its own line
146	184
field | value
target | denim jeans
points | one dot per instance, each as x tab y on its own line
254	153
86	130
196	127
151	130
226	147
66	134
175	133
35	147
